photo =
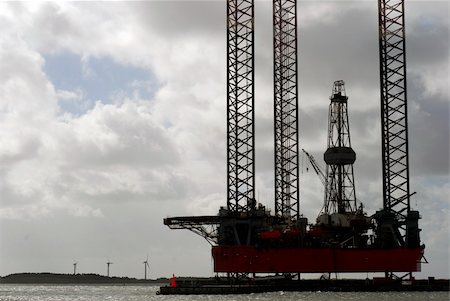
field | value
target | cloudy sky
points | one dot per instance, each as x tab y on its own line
112	117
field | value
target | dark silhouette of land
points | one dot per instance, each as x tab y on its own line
51	278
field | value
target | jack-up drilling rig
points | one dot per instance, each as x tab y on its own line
245	237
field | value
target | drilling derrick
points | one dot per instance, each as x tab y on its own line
339	156
340	219
285	109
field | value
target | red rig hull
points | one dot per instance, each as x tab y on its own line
249	259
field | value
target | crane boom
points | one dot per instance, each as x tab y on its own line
319	170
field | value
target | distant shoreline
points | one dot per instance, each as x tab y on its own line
53	278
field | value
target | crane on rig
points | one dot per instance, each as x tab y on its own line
245	236
317	168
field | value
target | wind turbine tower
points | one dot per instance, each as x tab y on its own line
108	263
145	268
75	268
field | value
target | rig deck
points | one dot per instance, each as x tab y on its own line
223	287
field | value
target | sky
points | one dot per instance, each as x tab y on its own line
113	117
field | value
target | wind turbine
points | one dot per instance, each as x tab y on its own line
145	268
108	263
75	268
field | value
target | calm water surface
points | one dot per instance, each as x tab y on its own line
148	293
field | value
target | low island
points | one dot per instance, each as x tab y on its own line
52	278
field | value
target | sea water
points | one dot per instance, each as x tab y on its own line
148	293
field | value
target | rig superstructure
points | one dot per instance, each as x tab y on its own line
245	236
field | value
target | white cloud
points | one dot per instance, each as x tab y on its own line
69	95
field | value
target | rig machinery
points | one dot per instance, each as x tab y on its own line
245	237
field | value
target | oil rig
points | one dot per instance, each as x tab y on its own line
246	238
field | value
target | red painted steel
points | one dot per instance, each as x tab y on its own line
248	259
273	234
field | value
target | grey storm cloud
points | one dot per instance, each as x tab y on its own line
429	131
177	19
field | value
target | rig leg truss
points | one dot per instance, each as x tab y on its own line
240	112
285	108
394	120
